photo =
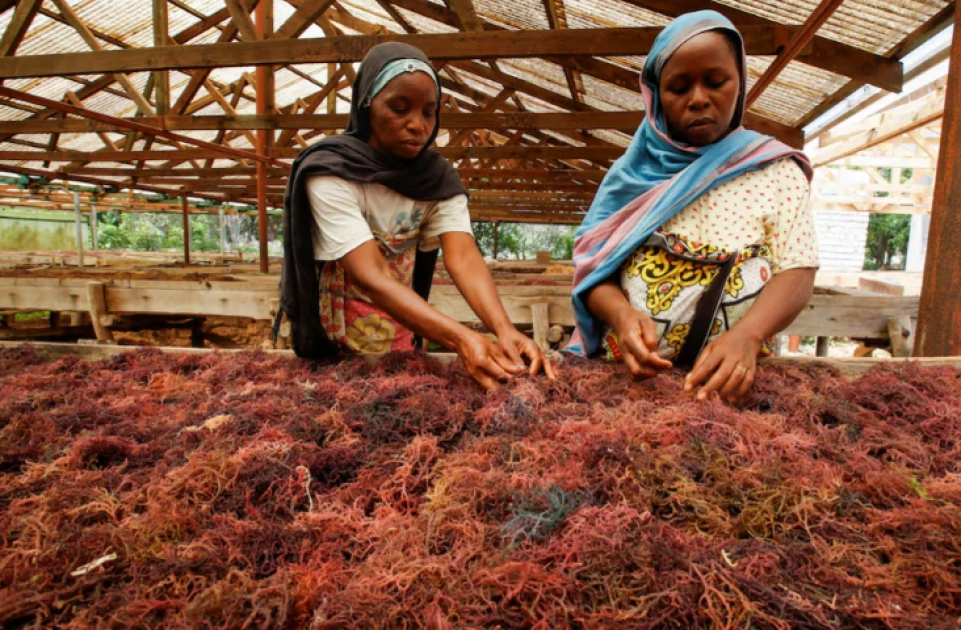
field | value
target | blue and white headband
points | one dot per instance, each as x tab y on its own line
396	68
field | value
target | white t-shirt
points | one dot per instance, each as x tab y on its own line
348	214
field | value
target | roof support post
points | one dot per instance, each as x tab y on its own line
939	318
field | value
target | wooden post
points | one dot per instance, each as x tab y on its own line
264	87
793	343
78	223
94	240
823	346
496	230
184	208
161	38
98	311
902	336
223	233
939	318
540	316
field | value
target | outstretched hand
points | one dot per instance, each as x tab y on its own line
518	346
485	361
637	339
727	366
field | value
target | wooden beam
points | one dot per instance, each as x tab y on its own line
798	41
557	19
826	54
939	321
221	152
135	126
185	211
914	41
265	105
94	44
306	14
18	26
760	40
104	82
240	16
886	127
161	37
467	14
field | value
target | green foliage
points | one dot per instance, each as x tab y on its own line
887	237
164	232
521	241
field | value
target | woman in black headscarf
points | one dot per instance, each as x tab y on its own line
365	212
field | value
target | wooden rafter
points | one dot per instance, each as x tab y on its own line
133	125
94	44
798	40
884	126
826	54
305	16
161	35
223	152
240	16
760	40
22	18
557	18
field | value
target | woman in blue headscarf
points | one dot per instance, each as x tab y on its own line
699	245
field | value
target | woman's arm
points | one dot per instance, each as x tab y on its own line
731	360
473	279
367	267
636	332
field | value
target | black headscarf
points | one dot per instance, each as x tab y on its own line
427	177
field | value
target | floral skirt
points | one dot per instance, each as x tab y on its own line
350	319
693	292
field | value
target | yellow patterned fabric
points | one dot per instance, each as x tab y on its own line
666	277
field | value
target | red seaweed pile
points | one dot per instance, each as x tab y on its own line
153	490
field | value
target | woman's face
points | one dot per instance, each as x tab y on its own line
403	115
699	88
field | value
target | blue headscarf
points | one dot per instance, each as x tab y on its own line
658	176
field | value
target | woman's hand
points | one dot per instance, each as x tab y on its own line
637	339
728	364
518	346
485	361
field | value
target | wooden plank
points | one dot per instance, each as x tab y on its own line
541	322
851	316
760	40
901	333
850	367
98	311
517	302
939	322
825	315
880	286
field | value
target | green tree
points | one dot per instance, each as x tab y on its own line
887	237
